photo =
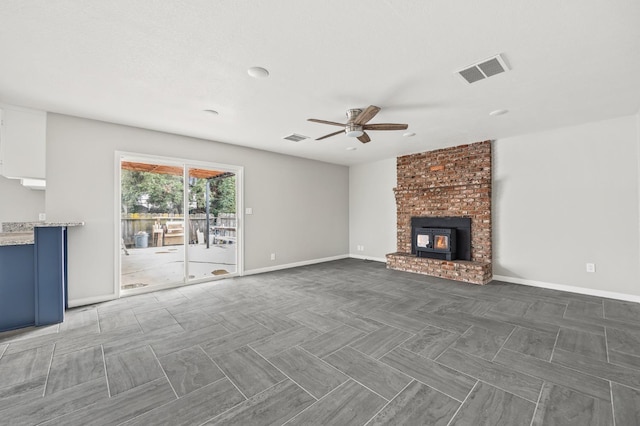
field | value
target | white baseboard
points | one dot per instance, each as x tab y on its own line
361	257
293	265
570	288
91	300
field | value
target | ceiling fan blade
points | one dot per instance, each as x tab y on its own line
385	126
364	138
333	123
330	134
366	115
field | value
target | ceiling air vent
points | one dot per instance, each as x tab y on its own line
483	69
294	137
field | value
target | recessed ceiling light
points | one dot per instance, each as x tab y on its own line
211	111
258	72
408	134
351	148
498	112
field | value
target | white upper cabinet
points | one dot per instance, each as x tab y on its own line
22	142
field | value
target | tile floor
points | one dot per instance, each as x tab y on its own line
346	343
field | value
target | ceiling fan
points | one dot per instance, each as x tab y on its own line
356	124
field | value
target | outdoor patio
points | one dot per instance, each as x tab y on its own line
156	266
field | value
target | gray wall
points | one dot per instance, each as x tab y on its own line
372	209
566	197
300	207
19	204
561	198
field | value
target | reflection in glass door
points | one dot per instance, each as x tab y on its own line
212	249
177	222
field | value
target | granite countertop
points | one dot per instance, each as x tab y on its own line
16	238
20	233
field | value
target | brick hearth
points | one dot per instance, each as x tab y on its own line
447	182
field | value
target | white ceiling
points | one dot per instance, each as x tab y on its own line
158	64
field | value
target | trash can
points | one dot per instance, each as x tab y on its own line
141	240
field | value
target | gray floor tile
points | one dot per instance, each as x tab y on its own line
16	368
331	341
127	370
115	320
538	344
275	406
450	382
21	393
115	410
153	320
487	405
622	311
626	341
511	307
75	368
76	343
431	342
381	341
234	320
624	359
560	406
417	404
189	369
236	340
194	319
578	308
193	409
598	368
350	404
396	320
275	321
500	376
64	402
480	342
276	343
626	405
250	372
352	319
309	372
314	321
555	373
375	375
582	343
183	340
447	323
523	322
545	310
79	318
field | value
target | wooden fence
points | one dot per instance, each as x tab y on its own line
224	225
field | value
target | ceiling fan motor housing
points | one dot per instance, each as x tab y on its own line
353	130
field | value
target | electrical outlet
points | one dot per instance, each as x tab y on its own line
42	216
360	248
591	267
273	256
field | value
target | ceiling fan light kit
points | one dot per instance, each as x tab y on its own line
356	124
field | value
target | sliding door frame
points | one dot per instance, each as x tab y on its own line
185	163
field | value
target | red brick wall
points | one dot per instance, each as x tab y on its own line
447	182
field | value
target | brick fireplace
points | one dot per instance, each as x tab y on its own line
447	183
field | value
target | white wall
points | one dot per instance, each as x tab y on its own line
566	197
372	209
19	204
300	207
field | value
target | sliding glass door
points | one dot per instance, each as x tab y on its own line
178	222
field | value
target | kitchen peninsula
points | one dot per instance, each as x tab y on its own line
33	273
